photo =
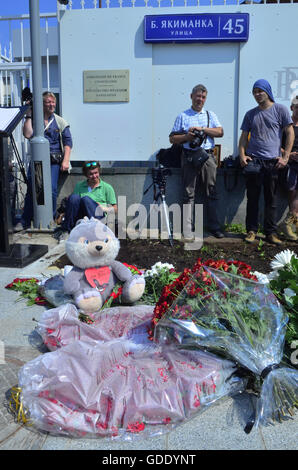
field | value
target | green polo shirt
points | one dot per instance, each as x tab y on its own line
103	194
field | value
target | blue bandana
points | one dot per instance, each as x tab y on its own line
265	86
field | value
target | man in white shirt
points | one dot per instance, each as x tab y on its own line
196	128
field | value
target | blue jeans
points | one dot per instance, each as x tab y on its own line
27	215
78	207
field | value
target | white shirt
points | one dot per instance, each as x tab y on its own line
192	118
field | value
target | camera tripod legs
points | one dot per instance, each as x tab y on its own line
188	213
166	214
159	201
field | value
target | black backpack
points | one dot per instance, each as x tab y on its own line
170	157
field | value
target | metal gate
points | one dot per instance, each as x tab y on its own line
14	77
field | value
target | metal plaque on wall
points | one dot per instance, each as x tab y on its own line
106	85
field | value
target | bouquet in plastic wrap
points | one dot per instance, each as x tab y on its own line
63	325
119	388
108	379
241	320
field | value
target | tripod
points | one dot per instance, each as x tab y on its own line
159	180
19	161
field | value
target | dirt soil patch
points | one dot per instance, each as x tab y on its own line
143	253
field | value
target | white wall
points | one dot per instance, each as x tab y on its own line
162	76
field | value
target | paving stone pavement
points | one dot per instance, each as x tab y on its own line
217	428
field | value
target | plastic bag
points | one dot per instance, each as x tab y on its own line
63	325
52	290
118	387
241	320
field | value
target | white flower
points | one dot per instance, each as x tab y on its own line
282	259
157	265
262	278
148	273
168	266
289	292
158	268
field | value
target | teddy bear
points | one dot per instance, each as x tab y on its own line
92	247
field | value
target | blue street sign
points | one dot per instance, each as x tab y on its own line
213	27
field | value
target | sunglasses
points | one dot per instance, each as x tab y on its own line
91	164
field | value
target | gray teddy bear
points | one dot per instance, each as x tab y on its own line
92	248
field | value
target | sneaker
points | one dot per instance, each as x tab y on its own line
63	237
58	232
296	223
272	238
285	228
60	235
217	233
18	227
250	237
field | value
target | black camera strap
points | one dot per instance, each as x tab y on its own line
208	122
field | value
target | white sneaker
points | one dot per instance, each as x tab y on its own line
19	227
63	237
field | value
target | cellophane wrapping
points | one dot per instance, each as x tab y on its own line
63	325
107	379
242	320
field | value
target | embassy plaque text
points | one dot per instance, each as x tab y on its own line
106	85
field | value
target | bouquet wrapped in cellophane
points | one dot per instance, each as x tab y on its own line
243	321
107	379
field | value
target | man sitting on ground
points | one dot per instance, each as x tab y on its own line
92	197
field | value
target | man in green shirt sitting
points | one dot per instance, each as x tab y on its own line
92	197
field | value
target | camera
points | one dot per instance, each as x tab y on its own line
160	174
27	96
198	140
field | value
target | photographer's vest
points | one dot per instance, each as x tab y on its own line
62	124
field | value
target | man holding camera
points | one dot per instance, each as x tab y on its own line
195	129
57	131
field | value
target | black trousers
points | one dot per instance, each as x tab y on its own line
268	180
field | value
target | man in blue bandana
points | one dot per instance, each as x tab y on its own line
260	152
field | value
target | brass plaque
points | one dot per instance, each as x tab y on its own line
106	85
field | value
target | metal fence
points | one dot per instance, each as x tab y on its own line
87	4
